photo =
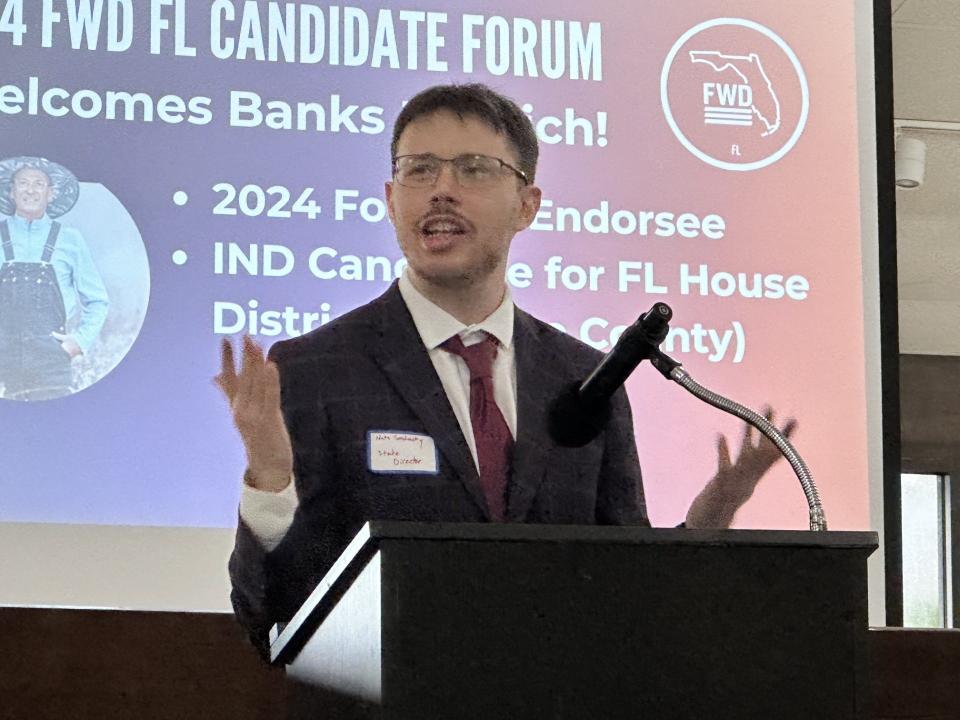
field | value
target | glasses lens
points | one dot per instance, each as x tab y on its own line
476	170
418	170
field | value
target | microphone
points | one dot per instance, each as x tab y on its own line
581	412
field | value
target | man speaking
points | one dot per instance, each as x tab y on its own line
431	402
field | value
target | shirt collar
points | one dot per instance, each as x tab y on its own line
436	325
24	223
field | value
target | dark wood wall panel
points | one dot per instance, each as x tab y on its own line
930	413
914	674
65	664
79	664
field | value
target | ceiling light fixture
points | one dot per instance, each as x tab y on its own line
910	162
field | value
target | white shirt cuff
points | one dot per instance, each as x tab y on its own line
268	514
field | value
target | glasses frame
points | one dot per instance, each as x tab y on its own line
503	164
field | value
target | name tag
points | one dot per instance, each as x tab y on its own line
390	451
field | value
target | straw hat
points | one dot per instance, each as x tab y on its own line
66	188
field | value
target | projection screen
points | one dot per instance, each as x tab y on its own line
218	169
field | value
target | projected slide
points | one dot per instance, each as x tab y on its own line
172	173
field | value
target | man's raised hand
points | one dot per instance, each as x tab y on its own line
735	482
254	396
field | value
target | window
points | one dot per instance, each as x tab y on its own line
927	587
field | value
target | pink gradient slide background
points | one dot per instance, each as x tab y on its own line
151	443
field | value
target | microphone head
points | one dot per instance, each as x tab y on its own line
656	322
573	422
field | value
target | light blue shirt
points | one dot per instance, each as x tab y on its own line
83	291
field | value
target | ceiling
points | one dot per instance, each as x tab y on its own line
926	77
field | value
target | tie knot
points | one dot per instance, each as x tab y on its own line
479	357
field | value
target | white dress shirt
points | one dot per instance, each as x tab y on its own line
270	514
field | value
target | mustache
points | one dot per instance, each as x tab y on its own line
445	212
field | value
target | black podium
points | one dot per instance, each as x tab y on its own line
451	621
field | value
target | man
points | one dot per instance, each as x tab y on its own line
48	282
442	362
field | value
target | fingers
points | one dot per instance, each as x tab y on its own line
767	452
246	385
226	357
747	441
251	375
252	354
770	415
789	427
271	385
762	440
58	336
723	454
755	446
227	379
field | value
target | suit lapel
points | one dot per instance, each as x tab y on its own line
530	452
404	359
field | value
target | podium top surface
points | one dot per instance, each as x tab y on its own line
286	639
378	530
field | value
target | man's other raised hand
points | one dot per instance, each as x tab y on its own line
254	397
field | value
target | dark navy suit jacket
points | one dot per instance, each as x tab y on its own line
369	370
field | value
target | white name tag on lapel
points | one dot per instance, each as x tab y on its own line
392	451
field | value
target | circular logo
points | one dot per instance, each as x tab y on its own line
734	94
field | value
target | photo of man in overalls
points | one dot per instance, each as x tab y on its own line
48	282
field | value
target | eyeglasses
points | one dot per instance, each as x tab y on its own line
471	171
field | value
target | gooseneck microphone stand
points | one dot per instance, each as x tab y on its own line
672	370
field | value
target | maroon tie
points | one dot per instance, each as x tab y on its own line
490	431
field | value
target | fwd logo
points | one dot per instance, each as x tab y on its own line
734	94
726	104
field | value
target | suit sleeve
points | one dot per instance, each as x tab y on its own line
620	499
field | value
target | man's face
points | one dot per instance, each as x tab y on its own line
454	236
31	192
